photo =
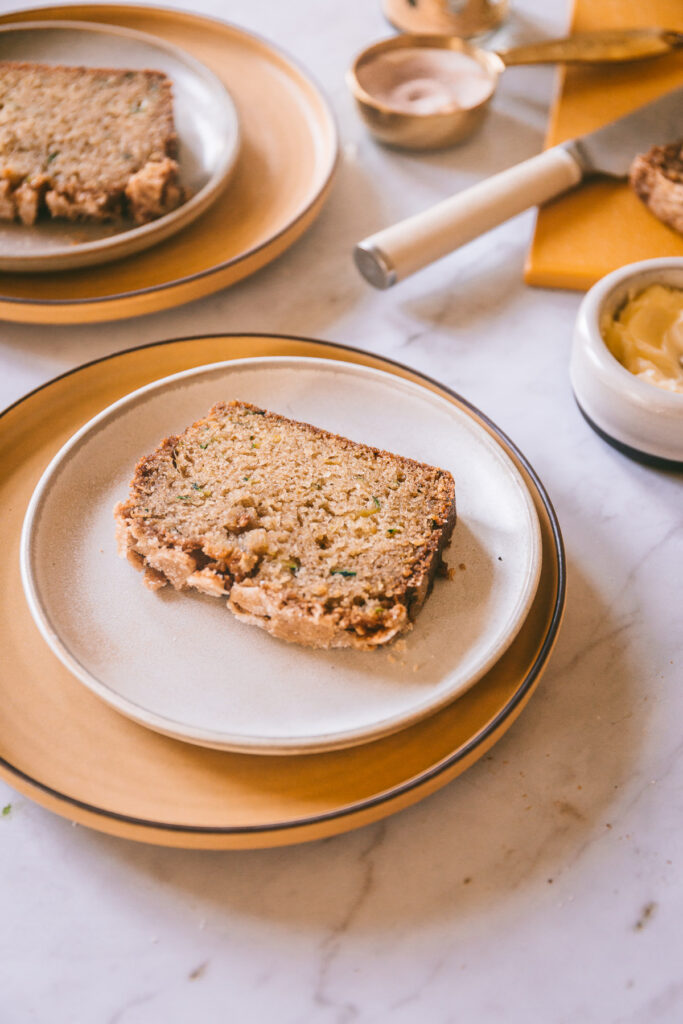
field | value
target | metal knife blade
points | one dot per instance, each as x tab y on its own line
610	150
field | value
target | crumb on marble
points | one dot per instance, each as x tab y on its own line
645	915
198	971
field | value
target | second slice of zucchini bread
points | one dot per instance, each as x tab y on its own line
86	143
315	538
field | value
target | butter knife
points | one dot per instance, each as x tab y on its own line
396	252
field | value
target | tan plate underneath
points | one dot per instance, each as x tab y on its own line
282	177
66	749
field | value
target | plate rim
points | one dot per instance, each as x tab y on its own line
403	789
171	222
178	282
247	743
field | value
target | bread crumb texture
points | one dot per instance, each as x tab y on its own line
315	538
657	179
87	144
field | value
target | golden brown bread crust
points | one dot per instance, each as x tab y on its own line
317	539
657	178
81	143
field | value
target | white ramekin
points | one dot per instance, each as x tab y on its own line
639	418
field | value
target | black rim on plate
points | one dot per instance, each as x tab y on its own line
435	770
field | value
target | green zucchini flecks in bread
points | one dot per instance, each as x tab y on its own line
319	540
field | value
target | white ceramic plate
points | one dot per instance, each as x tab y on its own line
206	124
181	664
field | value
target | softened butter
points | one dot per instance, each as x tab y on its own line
646	336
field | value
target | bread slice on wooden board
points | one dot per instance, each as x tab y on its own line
657	178
317	539
86	144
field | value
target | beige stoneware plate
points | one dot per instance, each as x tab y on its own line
180	663
206	124
282	177
71	752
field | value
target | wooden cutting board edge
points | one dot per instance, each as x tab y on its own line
547	265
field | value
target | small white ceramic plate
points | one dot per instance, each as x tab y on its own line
181	664
206	124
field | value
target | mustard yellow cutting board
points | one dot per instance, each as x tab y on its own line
602	225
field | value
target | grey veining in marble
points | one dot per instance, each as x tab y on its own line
543	885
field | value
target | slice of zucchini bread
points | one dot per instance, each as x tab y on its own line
657	178
315	538
86	144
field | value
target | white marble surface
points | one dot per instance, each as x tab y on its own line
543	885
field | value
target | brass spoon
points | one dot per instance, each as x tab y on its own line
453	123
609	46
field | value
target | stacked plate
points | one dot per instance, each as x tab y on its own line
208	142
159	716
257	150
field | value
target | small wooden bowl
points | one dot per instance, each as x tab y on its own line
448	125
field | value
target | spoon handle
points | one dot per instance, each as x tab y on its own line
398	251
608	46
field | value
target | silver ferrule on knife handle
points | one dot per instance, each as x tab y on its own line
398	251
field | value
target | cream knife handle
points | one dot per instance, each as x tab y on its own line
398	251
